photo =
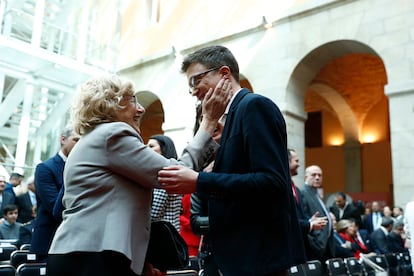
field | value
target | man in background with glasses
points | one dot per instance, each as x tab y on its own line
252	218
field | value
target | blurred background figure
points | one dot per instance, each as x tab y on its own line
372	221
165	206
26	201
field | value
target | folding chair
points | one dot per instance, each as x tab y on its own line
184	272
297	270
19	257
313	268
393	265
336	267
7	270
354	266
381	261
25	246
6	250
31	269
404	264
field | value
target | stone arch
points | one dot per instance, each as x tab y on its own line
153	118
310	76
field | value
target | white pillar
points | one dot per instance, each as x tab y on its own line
38	23
24	130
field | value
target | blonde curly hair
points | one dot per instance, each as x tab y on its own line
97	101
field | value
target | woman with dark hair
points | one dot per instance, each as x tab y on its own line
165	206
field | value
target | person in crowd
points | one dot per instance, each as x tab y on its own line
15	181
165	206
409	229
199	213
372	221
378	238
307	224
362	235
109	178
26	201
345	210
396	242
250	177
26	230
342	247
321	241
6	197
9	229
387	211
48	181
192	239
346	230
398	213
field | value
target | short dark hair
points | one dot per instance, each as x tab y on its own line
289	150
15	175
341	194
386	221
211	57
167	146
9	208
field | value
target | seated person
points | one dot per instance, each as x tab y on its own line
347	232
25	233
395	239
378	239
9	229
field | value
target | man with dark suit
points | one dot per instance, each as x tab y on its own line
344	210
307	224
378	238
48	181
373	220
321	241
252	218
395	240
26	201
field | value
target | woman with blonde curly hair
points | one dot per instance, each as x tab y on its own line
109	177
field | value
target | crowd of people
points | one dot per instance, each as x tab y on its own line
231	194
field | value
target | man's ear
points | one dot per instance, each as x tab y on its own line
225	71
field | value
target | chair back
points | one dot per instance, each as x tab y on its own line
7	270
25	246
297	270
183	272
5	251
19	257
336	267
313	268
31	269
354	266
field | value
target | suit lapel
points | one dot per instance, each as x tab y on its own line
229	120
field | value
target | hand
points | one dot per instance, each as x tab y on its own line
347	244
178	179
317	223
150	270
214	104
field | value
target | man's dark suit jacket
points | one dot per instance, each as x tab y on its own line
48	181
304	224
350	212
25	206
379	242
321	241
254	229
7	198
396	243
368	223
